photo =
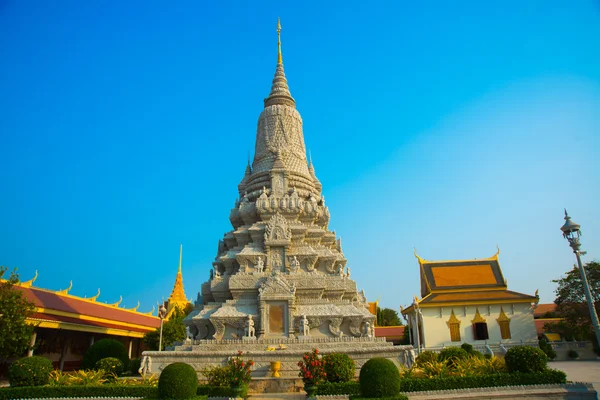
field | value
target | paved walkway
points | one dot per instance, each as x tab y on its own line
580	371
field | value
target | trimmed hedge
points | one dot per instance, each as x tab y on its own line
40	392
338	388
30	371
549	376
105	348
379	377
177	381
454	382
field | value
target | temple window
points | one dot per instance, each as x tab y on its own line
480	329
504	323
454	326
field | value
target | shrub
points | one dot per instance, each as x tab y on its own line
177	381
78	378
104	348
573	354
338	388
134	366
525	359
452	354
214	391
426	356
379	377
467	347
435	368
339	367
217	376
547	348
30	371
110	365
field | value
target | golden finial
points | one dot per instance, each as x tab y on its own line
136	307
30	282
66	291
180	256
117	303
151	312
94	298
279	58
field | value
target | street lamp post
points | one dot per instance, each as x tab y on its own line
162	313
572	233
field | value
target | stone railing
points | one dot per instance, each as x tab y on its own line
482	347
585	350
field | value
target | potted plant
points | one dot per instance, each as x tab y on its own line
239	374
312	371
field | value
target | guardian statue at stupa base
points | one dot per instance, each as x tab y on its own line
279	275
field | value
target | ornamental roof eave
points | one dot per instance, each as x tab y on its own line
475	298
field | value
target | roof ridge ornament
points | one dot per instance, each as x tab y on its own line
117	303
94	298
27	284
66	291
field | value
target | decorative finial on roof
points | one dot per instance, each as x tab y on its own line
151	312
495	256
118	302
279	57
180	256
66	291
30	282
94	298
135	308
417	256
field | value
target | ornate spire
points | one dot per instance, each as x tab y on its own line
280	92
180	258
279	57
177	298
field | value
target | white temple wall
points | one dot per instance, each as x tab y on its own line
437	333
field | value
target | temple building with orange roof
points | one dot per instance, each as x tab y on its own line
468	301
67	325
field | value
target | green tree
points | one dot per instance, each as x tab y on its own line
388	317
173	331
571	303
15	333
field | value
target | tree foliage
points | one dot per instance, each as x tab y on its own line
15	333
173	331
388	317
571	304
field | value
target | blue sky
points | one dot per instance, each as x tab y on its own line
126	126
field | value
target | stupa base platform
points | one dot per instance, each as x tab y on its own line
210	353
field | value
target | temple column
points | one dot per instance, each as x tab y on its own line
63	353
32	344
130	347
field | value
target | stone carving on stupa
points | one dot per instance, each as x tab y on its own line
280	266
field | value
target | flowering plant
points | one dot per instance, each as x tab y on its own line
239	370
312	368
